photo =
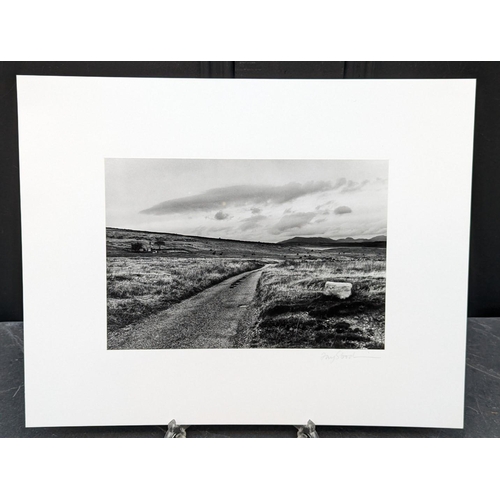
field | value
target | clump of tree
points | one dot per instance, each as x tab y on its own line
137	247
159	243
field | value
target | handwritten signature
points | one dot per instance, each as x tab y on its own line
340	356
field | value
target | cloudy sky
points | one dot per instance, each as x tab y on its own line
255	200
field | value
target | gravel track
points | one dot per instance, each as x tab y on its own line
205	321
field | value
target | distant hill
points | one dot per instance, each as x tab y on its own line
299	240
119	243
376	241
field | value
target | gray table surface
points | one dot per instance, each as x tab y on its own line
482	399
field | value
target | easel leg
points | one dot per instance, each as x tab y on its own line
176	431
307	431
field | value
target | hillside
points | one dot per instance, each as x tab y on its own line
377	241
119	243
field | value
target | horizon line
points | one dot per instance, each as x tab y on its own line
245	241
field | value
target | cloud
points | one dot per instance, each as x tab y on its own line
252	222
354	186
340	182
256	210
342	210
220	215
323	205
212	229
293	221
238	196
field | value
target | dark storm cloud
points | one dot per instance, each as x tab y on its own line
252	222
220	215
238	196
342	210
293	221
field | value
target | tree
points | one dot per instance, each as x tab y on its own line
137	247
159	243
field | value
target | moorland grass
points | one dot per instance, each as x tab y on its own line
140	286
294	313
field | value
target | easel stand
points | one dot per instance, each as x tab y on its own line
179	431
307	431
176	431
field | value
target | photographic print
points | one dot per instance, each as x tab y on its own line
246	253
192	246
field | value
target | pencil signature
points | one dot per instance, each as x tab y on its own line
341	356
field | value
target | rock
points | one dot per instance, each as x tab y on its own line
340	290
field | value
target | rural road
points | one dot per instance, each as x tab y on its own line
206	320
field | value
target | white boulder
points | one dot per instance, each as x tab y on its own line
340	290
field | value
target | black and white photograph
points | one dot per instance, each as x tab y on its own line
248	254
235	239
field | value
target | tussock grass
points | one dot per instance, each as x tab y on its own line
140	286
293	311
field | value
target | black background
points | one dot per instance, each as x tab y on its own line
484	271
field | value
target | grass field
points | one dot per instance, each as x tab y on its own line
293	312
119	241
140	286
289	310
